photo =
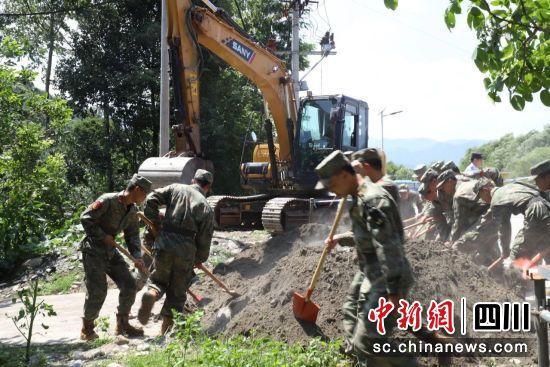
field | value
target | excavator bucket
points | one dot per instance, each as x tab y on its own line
163	171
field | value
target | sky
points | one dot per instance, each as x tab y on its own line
408	60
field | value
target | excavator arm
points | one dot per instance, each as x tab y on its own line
189	26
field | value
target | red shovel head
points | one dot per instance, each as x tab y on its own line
304	310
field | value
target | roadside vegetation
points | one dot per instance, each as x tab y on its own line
514	155
191	347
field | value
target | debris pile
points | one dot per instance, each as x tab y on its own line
268	274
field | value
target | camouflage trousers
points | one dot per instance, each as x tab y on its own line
172	276
96	269
360	332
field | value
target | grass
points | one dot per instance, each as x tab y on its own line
191	347
61	283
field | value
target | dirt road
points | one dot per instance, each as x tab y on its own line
65	327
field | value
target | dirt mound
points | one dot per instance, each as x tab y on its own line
267	276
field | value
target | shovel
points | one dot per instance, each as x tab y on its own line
218	281
303	307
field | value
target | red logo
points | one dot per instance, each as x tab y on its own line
440	316
410	315
380	313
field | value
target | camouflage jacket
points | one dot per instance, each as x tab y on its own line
378	238
435	209
467	209
390	187
109	216
188	223
407	206
510	199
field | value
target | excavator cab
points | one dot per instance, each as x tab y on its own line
326	123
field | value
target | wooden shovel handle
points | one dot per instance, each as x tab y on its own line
495	263
326	250
129	256
148	223
215	278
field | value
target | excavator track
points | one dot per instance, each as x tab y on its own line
281	214
237	211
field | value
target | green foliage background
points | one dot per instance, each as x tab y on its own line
514	155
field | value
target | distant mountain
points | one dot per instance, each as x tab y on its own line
412	152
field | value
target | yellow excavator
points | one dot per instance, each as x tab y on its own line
281	177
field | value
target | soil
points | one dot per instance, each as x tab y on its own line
267	275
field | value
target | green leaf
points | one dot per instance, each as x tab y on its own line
545	97
455	7
391	4
450	19
475	18
517	102
507	52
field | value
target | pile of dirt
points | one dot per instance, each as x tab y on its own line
267	275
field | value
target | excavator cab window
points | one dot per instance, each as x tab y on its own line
351	124
316	131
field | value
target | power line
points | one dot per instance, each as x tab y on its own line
57	11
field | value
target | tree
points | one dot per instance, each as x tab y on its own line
399	171
514	155
112	72
40	30
513	46
32	173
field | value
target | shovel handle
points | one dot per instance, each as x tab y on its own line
326	250
538	257
495	263
215	278
148	223
129	256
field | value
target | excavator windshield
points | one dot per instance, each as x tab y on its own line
316	131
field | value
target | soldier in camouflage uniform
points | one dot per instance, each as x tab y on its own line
434	208
109	215
523	198
383	268
473	228
409	202
369	163
183	242
419	171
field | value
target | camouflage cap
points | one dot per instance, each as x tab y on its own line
204	176
140	181
494	174
403	187
332	163
420	169
428	176
451	165
541	168
349	154
481	183
367	154
438	166
444	176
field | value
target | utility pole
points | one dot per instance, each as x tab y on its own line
164	129
382	123
295	50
